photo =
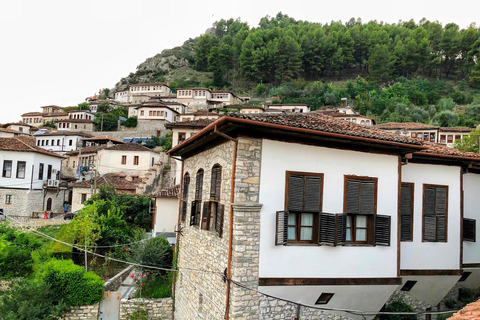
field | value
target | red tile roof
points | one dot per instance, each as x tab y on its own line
455	129
32	114
103	138
201	123
24	144
469	312
405	126
129	147
86	150
438	149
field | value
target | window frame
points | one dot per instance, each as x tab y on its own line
136	160
184	195
426	185
213	185
83	198
4	171
124	160
412	208
298	215
24	164
41	169
8	199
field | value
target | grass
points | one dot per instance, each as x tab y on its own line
156	287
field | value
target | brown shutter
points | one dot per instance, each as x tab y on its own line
184	210
198	214
341	229
441	212
186	181
281	234
295	192
199	185
353	196
429	228
327	230
429	218
216	183
382	230
219	219
469	230
441	228
206	215
193	213
367	197
313	186
429	201
406	212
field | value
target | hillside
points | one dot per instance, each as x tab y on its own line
407	71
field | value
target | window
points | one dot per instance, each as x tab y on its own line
213	211
464	276
21	166
186	182
182	136
135	160
216	182
83	198
124	159
8	199
197	203
324	298
406	212
49	172
40	171
408	285
435	213
46	142
469	230
7	169
142	112
304	193
70	142
450	138
58	142
443	138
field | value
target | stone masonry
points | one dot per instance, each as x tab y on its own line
156	309
83	313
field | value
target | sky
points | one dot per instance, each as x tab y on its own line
58	52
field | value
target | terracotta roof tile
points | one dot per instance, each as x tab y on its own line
201	123
93	138
438	149
111	179
405	126
456	129
32	114
171	192
469	312
129	147
24	144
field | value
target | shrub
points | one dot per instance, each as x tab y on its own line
131	122
155	252
71	282
398	306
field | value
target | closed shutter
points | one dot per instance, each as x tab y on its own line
313	185
441	228
382	230
295	192
429	218
216	183
193	213
199	185
327	228
367	197
186	181
184	210
281	235
469	230
353	196
198	214
219	219
441	213
429	228
406	212
206	215
429	201
341	229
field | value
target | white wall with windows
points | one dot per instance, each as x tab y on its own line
420	254
60	143
166	214
131	162
311	260
471	201
156	113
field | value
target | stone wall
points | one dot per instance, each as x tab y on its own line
155	309
129	133
114	283
24	202
83	313
417	304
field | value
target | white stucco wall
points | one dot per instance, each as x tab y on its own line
166	214
471	202
62	148
430	289
433	255
323	261
110	161
168	114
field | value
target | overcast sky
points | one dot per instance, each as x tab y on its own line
62	51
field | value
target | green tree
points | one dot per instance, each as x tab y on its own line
446	118
469	143
380	63
83	106
84	229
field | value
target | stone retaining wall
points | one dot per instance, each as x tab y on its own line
157	309
114	283
83	313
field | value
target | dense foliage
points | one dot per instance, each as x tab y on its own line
107	116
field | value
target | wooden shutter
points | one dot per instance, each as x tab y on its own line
469	230
186	181
198	214
313	189
441	213
216	182
429	228
341	229
206	216
367	196
382	230
219	219
429	201
199	184
184	210
295	192
327	230
353	196
406	212
193	213
281	234
429	218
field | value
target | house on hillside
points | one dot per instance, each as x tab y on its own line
10	133
269	198
29	181
80	120
33	118
60	142
290	107
21	127
351	117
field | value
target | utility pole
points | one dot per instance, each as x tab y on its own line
101	124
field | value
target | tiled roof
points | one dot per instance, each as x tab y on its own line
13	131
288	104
119	183
32	114
92	149
103	138
171	192
438	149
455	129
405	126
129	147
75	120
201	123
55	114
24	144
52	106
64	133
242	106
17	124
470	312
324	123
336	114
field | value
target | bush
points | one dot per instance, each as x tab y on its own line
131	122
27	300
155	252
72	283
398	306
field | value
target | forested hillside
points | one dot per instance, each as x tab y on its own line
406	71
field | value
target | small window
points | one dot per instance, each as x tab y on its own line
21	167
469	230
464	277
70	142
83	198
135	160
182	136
40	171
435	213
406	212
216	182
186	183
8	199
124	159
450	138
408	285
7	169
49	172
197	204
324	298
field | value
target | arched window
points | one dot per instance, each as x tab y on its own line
197	203
212	218
216	182
49	204
186	182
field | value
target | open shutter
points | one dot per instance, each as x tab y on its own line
441	212
367	197
281	235
313	185
219	219
206	215
198	213
327	228
353	196
469	229
184	210
382	230
295	192
193	213
341	229
216	183
406	212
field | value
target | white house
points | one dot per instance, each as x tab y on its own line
156	111
290	107
19	126
28	170
60	142
143	92
166	212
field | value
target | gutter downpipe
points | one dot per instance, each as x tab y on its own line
230	235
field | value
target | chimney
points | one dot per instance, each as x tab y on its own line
344	102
